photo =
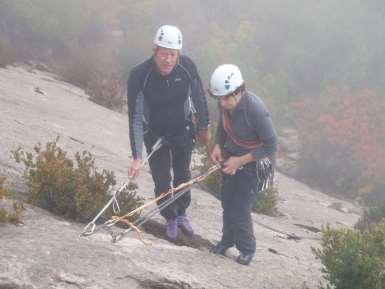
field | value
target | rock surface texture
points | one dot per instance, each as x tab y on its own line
46	251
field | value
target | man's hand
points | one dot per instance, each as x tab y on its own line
231	166
204	136
134	169
216	155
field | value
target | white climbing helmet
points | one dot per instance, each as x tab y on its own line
225	79
168	36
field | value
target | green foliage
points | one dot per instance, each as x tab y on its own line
266	202
353	259
128	201
73	190
277	47
290	52
13	216
371	217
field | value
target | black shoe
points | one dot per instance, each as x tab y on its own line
219	249
245	259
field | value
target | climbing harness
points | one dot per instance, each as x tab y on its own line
247	144
264	167
90	228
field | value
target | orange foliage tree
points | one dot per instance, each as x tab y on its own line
343	137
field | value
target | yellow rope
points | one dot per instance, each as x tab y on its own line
125	217
171	191
135	228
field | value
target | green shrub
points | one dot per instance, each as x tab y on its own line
75	190
18	208
266	202
98	74
353	259
371	216
129	201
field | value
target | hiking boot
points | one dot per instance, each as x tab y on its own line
219	249
185	225
171	229
245	259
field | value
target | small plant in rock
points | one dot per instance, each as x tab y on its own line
353	259
266	202
8	215
73	189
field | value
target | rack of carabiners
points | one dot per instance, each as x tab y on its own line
265	174
167	199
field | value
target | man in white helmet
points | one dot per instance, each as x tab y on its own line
165	95
245	138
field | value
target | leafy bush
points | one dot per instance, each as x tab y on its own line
371	216
5	214
98	73
353	259
77	191
266	202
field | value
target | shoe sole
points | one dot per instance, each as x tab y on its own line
222	253
246	263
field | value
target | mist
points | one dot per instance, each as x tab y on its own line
318	65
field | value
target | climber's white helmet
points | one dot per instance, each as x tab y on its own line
225	79
168	36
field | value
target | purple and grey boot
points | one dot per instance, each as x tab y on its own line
185	225
172	229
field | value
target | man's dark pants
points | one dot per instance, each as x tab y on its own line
174	154
238	196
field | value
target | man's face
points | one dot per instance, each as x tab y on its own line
165	59
229	102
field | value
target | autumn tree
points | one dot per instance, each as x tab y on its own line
343	135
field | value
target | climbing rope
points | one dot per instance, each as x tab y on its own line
91	227
172	195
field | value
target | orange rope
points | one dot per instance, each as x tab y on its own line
169	192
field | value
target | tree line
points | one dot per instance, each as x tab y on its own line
305	58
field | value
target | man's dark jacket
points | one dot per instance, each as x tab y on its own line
164	104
